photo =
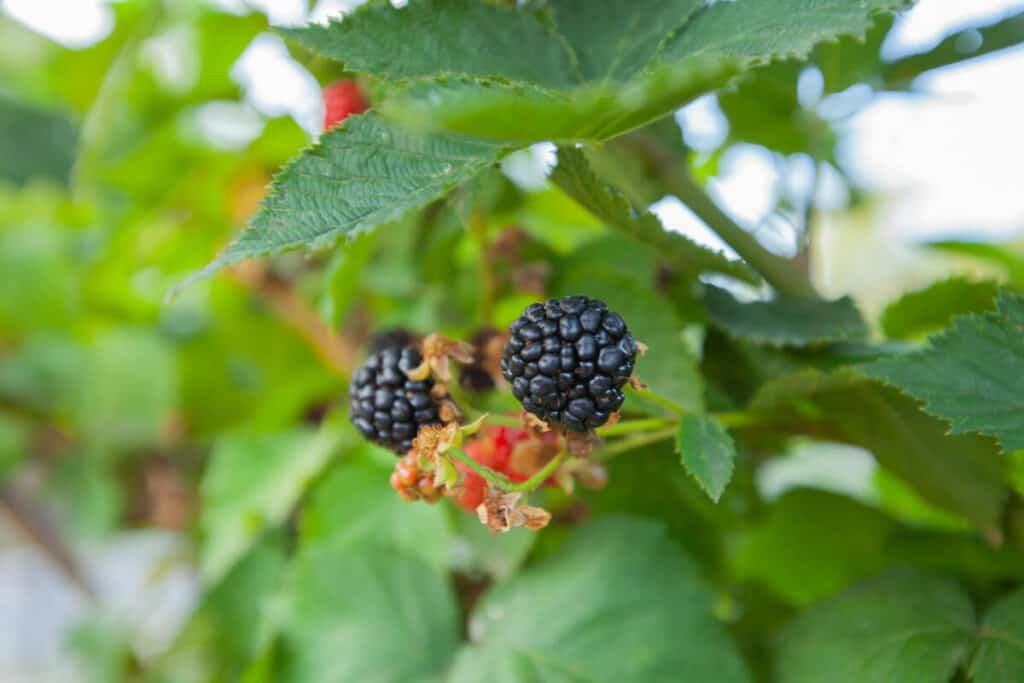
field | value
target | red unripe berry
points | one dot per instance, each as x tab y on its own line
341	100
493	447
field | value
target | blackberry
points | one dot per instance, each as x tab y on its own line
567	361
388	407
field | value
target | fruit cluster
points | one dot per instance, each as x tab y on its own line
511	451
412	483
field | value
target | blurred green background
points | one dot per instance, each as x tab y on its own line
147	447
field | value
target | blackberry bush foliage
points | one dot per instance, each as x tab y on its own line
567	361
424	420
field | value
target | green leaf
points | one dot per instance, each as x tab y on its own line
786	321
358	176
618	602
433	37
252	483
521	113
620	38
355	504
34	143
803	560
765	30
902	626
1007	256
574	175
933	308
707	452
376	615
962	474
1000	653
970	374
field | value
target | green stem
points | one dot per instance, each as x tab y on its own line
662	401
779	272
504	483
634	426
634	442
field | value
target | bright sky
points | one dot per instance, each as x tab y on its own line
948	155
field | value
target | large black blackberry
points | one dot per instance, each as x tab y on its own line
387	406
567	361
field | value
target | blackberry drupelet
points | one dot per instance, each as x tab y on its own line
567	361
388	407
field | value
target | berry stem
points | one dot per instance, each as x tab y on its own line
489	475
542	474
636	441
662	401
634	426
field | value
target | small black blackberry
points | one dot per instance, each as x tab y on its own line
567	361
388	407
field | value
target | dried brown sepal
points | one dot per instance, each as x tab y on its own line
449	411
635	382
500	512
592	475
436	351
535	424
582	444
434	439
641	349
613	419
532	455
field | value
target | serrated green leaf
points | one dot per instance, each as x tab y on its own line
619	39
1000	653
374	615
786	321
358	176
563	620
521	113
252	483
764	30
433	37
931	309
902	626
970	374
707	452
574	176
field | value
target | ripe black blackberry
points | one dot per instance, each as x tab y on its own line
388	407
567	361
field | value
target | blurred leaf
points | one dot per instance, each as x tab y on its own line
574	176
431	37
902	627
39	287
811	543
707	452
377	615
356	505
933	308
963	474
477	551
970	374
1007	256
562	620
786	321
128	389
358	176
342	278
1000	653
252	483
34	143
43	374
14	442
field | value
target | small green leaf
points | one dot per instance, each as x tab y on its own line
618	602
934	307
707	452
252	483
1000	654
374	615
786	321
574	176
358	176
902	627
434	37
970	374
